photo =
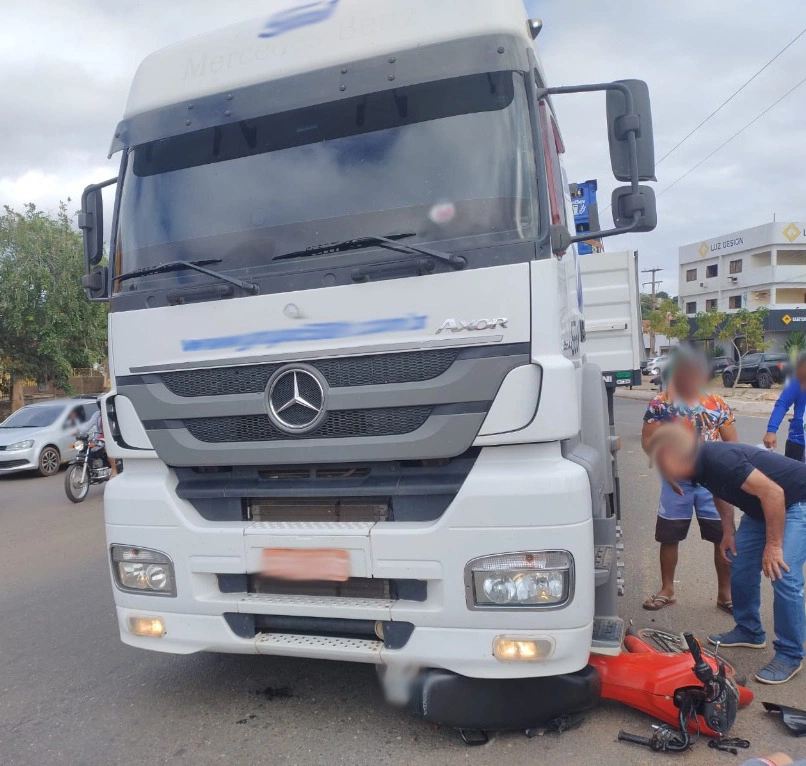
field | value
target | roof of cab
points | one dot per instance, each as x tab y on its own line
307	35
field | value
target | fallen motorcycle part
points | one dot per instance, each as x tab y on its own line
657	683
501	704
794	719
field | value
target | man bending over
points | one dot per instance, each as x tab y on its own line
770	490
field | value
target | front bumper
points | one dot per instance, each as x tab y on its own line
517	498
19	460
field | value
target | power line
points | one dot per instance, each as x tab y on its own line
735	135
732	96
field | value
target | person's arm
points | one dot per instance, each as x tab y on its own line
727	514
653	417
773	501
727	421
728	432
646	434
779	410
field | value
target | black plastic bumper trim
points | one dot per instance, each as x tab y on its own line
502	704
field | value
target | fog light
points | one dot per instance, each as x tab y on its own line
143	570
147	627
514	649
529	579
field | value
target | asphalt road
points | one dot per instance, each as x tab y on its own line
71	693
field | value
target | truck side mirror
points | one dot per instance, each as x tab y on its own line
632	153
629	113
96	283
91	223
626	204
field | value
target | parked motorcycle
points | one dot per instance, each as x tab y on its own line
90	466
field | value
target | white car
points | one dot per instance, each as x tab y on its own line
39	437
654	365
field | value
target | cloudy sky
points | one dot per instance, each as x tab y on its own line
67	64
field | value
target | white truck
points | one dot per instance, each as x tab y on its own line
348	356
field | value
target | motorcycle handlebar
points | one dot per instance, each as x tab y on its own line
694	647
702	669
624	736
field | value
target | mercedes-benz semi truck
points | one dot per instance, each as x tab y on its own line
347	350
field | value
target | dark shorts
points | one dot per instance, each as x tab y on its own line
676	530
676	511
794	450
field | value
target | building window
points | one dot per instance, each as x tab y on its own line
736	266
691	275
711	304
712	270
735	302
691	307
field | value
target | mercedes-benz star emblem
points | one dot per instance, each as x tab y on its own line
295	398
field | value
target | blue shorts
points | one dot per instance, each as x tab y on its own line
676	511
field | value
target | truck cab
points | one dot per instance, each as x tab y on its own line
347	349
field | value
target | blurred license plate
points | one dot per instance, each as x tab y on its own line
331	564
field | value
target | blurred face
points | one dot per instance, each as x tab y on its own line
675	464
800	373
689	379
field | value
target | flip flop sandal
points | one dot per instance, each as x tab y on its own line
657	602
725	606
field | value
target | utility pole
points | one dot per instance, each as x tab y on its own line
655	282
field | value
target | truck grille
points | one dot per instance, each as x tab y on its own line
318	509
338	424
374	370
355	587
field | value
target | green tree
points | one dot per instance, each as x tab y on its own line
708	324
795	344
745	331
646	302
47	327
667	319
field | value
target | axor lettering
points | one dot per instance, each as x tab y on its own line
461	325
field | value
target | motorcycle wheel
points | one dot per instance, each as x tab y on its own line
74	488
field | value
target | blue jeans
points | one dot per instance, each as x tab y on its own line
789	609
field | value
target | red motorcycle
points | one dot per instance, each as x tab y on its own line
655	675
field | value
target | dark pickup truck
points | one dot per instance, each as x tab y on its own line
759	370
719	364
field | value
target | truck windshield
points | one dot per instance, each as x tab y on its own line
444	161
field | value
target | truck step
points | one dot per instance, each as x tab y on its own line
320	647
317	606
608	633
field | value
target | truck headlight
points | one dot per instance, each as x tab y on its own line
143	570
531	579
19	446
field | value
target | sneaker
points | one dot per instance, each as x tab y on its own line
735	638
779	671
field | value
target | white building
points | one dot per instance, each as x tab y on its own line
762	266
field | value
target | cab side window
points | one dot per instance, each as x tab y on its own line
552	146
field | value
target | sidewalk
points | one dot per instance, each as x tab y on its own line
744	399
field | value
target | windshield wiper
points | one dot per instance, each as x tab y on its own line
389	242
164	268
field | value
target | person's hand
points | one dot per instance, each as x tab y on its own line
772	562
770	440
728	544
776	759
